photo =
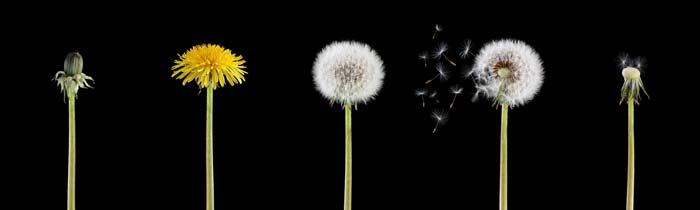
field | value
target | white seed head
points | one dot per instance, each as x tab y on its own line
510	65
348	72
631	73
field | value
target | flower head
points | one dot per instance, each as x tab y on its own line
631	72
210	64
348	72
508	71
72	78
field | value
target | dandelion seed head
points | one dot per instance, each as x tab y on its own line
348	72
511	65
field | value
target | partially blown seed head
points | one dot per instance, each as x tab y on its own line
633	85
508	72
348	72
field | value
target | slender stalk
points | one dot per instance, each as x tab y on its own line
503	193
210	147
431	80
448	60
348	158
630	153
71	151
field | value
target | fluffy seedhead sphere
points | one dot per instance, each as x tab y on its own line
508	71
348	72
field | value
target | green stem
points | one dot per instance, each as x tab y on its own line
210	147
348	157
503	193
71	151
630	153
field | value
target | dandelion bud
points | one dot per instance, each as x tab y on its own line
73	65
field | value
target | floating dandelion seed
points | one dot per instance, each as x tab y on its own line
440	118
456	90
443	74
465	49
424	56
433	95
508	71
421	93
440	52
438	28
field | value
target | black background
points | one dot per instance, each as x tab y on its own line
279	144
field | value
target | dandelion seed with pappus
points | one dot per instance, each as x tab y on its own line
440	118
465	49
424	56
438	28
421	93
439	52
443	74
455	90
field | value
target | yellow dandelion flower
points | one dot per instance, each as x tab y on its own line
210	64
